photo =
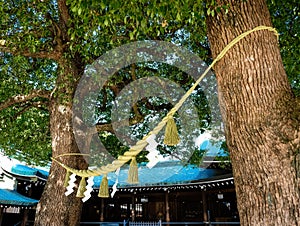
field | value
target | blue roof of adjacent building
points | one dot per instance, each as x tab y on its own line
213	148
164	173
13	198
23	170
172	172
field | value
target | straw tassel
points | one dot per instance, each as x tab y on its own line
171	134
103	190
133	177
81	188
67	178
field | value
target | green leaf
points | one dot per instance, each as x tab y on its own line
74	9
103	6
106	22
178	16
143	23
208	11
131	35
212	13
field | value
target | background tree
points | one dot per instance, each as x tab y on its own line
46	45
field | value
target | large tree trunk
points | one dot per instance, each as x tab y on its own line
55	208
261	116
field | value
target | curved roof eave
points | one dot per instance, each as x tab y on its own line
13	198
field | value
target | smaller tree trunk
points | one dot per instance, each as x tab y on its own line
54	208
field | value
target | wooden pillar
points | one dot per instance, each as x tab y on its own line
102	210
167	206
176	207
1	215
132	211
128	214
25	217
204	206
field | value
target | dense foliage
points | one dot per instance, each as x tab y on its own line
34	36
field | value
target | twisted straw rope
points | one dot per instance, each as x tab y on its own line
141	144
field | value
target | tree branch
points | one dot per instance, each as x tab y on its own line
64	13
54	55
105	127
64	18
38	105
24	98
57	37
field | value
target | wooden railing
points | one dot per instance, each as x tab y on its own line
158	223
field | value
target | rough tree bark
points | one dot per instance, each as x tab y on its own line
261	116
69	211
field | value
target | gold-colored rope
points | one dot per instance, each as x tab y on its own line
141	144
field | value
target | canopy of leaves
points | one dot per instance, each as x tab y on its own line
36	35
24	127
286	19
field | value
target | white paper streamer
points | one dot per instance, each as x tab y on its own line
114	187
89	189
154	156
71	184
152	144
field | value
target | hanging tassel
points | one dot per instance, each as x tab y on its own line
67	178
103	190
133	177
171	134
81	189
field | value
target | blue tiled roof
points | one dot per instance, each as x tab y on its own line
28	171
213	148
13	198
164	173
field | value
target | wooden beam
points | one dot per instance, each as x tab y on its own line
204	206
167	206
1	215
